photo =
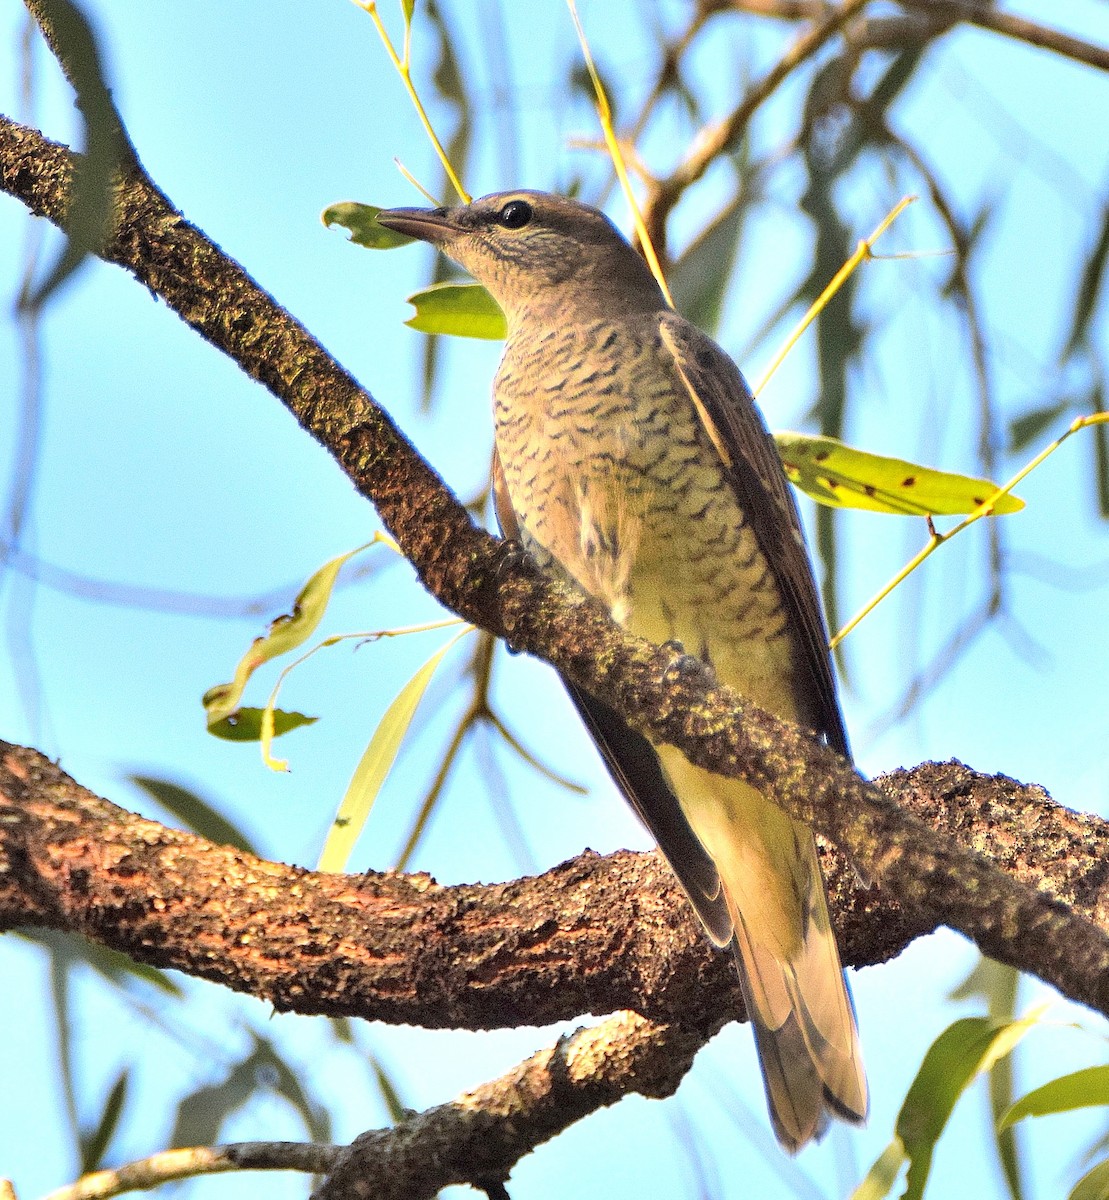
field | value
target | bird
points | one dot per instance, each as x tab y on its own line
630	459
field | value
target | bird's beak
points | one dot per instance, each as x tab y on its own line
427	224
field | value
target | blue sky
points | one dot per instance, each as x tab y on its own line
160	465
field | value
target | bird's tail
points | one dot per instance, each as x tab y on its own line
803	1019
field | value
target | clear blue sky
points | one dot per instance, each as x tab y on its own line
159	465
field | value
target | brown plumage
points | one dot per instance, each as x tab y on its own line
631	457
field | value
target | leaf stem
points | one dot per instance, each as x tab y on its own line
604	113
403	69
985	509
863	250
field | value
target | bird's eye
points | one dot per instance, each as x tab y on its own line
515	214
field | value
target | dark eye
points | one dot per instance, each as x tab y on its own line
515	214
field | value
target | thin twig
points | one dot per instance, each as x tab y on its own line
717	138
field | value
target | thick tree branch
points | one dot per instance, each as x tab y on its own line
592	935
493	585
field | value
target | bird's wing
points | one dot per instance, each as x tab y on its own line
636	770
726	408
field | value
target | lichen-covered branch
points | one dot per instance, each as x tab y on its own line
592	935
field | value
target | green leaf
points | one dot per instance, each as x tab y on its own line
385	1085
998	985
1101	447
883	1174
1093	276
838	475
375	764
94	1145
286	633
458	309
245	724
194	812
699	279
964	1050
69	949
201	1114
1094	1185
1081	1089
1026	428
361	222
92	198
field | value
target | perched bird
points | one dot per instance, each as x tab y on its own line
631	458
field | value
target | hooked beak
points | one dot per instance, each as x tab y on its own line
427	224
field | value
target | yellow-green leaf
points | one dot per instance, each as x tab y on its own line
1081	1089
838	475
376	762
1094	1185
457	309
883	1174
361	222
965	1049
286	633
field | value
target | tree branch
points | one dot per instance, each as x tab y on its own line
492	584
476	1139
592	935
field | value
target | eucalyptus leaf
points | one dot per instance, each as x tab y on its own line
194	812
458	309
1094	1185
360	220
1088	1088
245	724
94	1144
375	764
285	633
965	1049
839	476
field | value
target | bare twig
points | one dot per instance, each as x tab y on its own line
990	16
170	1166
723	134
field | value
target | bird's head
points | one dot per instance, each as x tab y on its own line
538	254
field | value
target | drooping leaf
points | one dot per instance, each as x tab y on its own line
196	813
998	985
389	1093
375	764
1101	447
285	634
1026	428
94	1144
1087	1088
69	949
964	1049
1094	1185
458	309
879	1180
92	200
201	1114
1093	276
699	278
245	724
840	476
360	220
